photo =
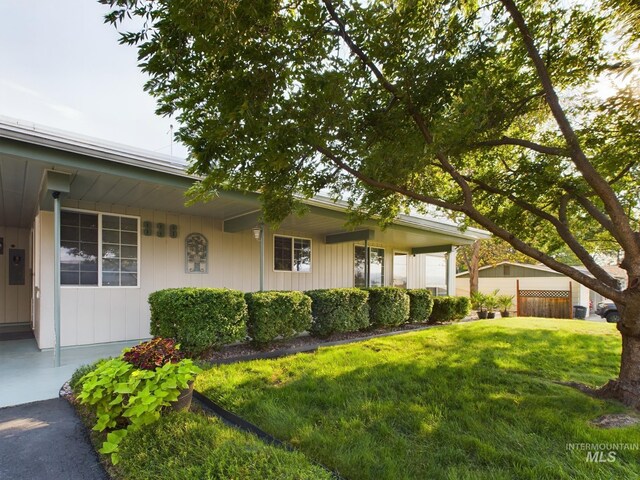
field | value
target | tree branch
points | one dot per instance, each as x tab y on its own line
560	224
623	172
612	205
326	152
594	211
401	96
591	282
523	143
582	163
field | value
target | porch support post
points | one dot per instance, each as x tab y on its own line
450	258
261	257
367	279
56	275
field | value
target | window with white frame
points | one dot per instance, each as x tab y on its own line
400	264
376	267
291	254
98	249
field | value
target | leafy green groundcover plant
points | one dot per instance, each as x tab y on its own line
75	382
189	446
277	314
388	306
199	318
131	391
338	310
420	305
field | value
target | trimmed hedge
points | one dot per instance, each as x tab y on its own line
420	305
277	314
338	310
199	318
463	307
449	309
388	306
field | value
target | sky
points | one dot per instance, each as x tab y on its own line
62	67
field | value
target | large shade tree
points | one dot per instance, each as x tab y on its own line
484	109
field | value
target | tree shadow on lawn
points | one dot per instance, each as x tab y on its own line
469	405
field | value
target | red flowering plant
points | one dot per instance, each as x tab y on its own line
154	353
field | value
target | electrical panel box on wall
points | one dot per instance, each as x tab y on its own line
16	266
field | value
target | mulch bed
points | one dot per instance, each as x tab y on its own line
306	343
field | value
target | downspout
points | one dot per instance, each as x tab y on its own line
56	276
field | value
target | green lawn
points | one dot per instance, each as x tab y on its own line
189	446
474	400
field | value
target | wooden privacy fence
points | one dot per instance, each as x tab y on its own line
544	303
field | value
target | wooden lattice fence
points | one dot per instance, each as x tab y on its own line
544	303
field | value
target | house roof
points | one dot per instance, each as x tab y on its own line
613	270
49	146
539	267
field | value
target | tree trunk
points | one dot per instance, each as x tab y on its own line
626	388
474	261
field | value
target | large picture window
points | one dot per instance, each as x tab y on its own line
376	267
98	249
291	254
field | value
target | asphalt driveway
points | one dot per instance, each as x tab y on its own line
45	441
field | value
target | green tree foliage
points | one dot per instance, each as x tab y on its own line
483	109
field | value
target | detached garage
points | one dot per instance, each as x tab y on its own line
508	277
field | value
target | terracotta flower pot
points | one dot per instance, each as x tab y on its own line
184	400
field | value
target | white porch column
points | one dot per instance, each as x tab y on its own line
56	276
450	261
54	184
261	257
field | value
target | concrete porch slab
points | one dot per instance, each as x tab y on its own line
28	375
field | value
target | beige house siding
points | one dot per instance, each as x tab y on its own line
109	314
15	300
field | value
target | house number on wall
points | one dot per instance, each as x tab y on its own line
197	253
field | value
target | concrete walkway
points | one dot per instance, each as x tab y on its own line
46	441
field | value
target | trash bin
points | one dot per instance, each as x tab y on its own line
579	312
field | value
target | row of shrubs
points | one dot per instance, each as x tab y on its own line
204	318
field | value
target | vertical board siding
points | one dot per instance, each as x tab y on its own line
86	326
15	300
36	277
109	314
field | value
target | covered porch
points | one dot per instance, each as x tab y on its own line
47	176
